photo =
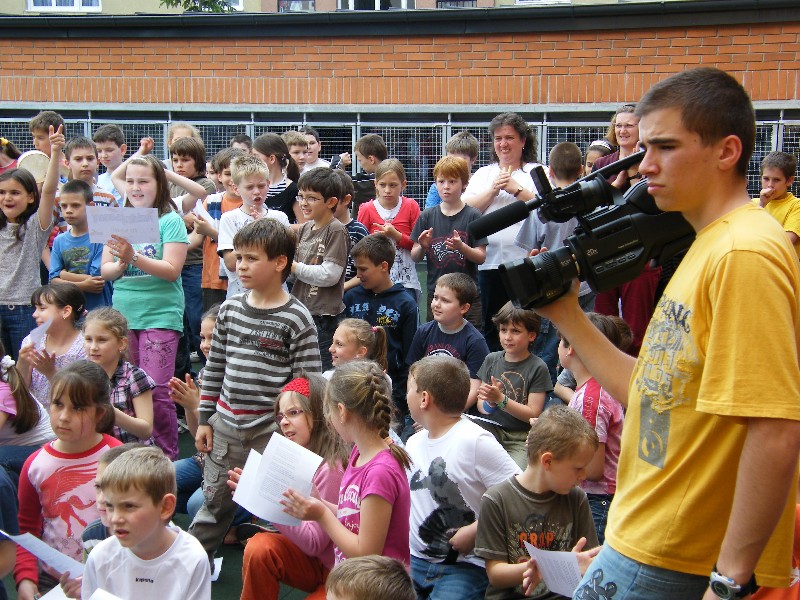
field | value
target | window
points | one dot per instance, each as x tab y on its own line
456	3
285	6
236	4
374	4
544	2
64	5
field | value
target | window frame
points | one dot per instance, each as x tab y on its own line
77	6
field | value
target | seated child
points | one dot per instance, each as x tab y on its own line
382	303
453	462
543	506
371	577
449	332
514	382
145	557
603	413
441	234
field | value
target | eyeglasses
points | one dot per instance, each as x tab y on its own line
291	414
302	198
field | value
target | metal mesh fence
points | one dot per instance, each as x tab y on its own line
217	136
582	136
791	145
764	145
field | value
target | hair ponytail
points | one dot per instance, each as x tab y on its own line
27	407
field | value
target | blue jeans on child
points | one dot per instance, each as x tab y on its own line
16	321
612	575
599	505
438	581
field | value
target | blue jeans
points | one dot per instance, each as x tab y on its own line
493	297
16	321
189	477
546	347
326	326
191	276
12	458
8	514
599	505
461	581
612	575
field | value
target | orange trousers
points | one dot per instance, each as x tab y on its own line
271	559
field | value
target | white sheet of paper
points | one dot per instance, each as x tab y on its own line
37	335
102	595
137	225
283	465
51	557
559	569
55	594
217	568
201	212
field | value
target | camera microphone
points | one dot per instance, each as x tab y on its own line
500	219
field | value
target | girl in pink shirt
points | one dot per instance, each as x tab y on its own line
372	515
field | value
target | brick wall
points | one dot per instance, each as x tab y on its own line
534	68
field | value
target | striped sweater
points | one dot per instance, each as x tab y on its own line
254	353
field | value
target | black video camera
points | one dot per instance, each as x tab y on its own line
609	246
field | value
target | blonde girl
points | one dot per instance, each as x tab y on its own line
105	336
63	305
148	290
300	556
394	215
26	220
56	487
374	498
354	339
24	424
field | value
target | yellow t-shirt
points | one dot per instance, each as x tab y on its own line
712	352
786	210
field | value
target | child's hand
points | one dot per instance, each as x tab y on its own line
27	590
765	195
203	227
57	139
425	238
146	145
454	242
92	285
345	160
388	230
234	475
121	248
204	438
301	507
491	392
531	578
71	587
585	558
188	221
184	393
43	361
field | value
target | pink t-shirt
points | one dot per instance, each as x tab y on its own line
606	416
385	477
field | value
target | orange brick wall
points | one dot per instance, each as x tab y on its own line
513	69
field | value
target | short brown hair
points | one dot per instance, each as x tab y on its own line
463	286
463	142
271	236
144	469
372	145
786	163
44	120
109	133
616	331
566	161
376	247
294	138
699	94
371	578
193	148
453	167
509	313
79	142
445	378
562	431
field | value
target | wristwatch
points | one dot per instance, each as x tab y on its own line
518	192
135	258
726	588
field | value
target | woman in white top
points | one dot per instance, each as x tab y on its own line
492	187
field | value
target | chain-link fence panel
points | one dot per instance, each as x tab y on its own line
580	135
791	145
217	136
335	139
17	132
418	147
135	131
764	145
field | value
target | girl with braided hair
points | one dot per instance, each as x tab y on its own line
372	515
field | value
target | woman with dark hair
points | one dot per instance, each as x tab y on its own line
494	186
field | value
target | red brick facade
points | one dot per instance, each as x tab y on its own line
510	69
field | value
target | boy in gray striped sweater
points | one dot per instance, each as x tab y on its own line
262	339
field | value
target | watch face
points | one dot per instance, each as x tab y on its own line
721	590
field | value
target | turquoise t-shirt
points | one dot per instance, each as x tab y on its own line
150	302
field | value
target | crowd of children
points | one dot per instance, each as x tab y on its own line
297	286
